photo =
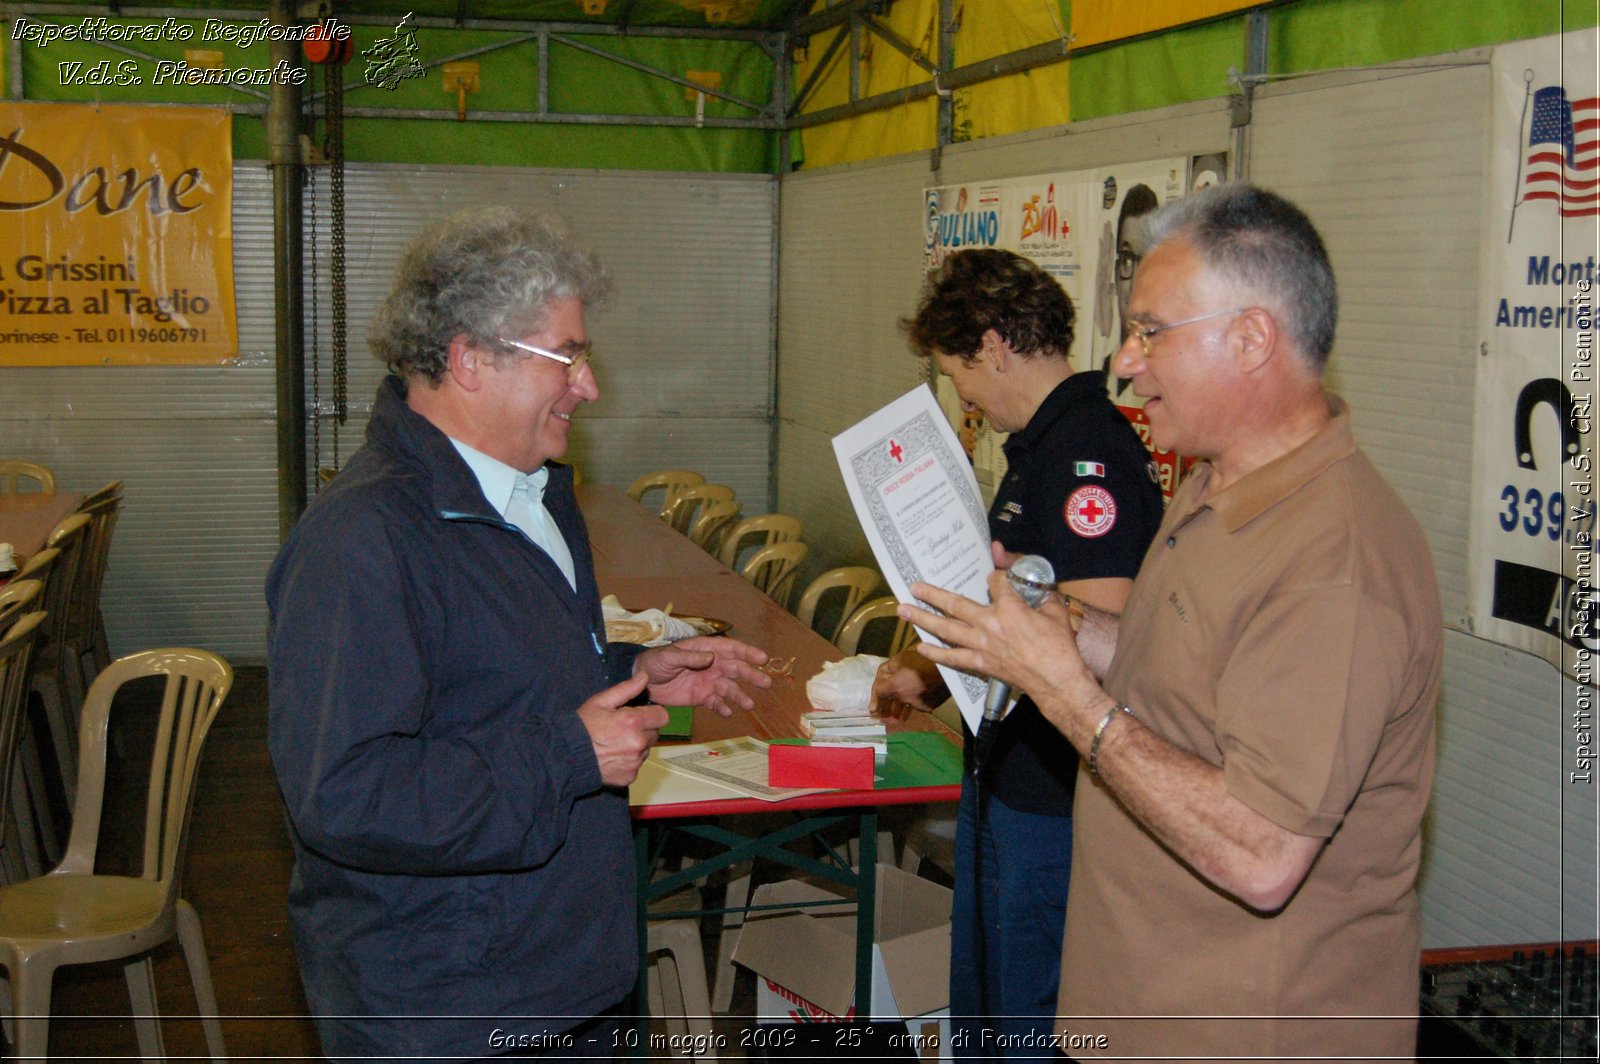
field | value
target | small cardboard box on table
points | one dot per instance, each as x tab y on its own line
805	960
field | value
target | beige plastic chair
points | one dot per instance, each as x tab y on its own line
712	524
72	915
878	609
855	582
86	624
765	529
41	568
774	569
669	482
110	491
19	846
14	596
675	984
688	502
13	471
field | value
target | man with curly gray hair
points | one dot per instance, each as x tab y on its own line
452	734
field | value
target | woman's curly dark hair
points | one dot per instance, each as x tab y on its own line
986	288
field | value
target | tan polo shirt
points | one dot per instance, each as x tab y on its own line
1287	629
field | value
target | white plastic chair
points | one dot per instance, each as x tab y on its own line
770	528
669	482
856	582
773	569
72	915
878	609
13	471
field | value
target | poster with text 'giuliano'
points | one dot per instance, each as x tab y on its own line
1533	517
116	244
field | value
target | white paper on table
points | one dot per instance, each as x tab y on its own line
739	765
918	502
658	785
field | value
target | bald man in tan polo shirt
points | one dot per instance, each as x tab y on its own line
1261	753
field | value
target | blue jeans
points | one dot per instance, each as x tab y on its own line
1005	937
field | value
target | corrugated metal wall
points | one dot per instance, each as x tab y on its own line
684	360
683	355
847	279
1390	165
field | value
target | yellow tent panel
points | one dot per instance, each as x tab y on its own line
1098	21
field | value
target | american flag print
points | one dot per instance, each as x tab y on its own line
1563	163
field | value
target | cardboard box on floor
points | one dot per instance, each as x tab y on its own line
805	960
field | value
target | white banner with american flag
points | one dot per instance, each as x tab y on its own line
1531	553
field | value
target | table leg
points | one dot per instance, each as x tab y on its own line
866	911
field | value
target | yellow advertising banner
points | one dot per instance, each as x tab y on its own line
1098	21
116	240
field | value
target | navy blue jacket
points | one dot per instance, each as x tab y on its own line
456	854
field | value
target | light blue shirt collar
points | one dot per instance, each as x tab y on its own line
499	480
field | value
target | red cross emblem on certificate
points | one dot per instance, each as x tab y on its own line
897	452
1090	511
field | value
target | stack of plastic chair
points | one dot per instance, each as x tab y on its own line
14	473
712	525
761	531
86	627
878	609
853	582
687	504
72	915
19	848
15	597
56	679
774	569
669	482
41	570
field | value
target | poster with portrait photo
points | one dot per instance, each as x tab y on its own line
1125	193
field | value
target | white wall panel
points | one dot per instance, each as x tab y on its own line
1391	168
849	266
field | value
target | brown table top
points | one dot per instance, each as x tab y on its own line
646	564
27	519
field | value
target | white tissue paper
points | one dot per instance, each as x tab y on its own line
845	686
651	628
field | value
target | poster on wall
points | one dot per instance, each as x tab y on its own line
1050	222
1534	496
1125	194
116	230
958	217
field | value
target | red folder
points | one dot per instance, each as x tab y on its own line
820	766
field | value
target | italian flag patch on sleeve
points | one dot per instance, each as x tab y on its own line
1089	469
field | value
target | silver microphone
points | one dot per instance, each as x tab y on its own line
1033	578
